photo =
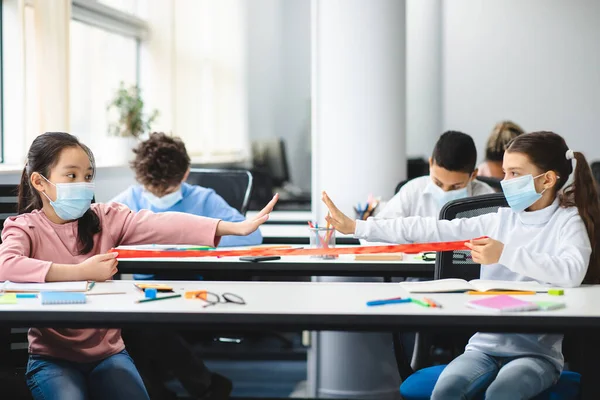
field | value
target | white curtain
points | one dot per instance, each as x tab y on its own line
51	25
209	77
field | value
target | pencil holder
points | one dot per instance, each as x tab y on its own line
322	238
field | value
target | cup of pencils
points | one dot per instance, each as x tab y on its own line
322	238
366	210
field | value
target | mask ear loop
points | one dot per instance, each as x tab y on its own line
44	193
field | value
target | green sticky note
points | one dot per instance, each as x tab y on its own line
8	298
549	305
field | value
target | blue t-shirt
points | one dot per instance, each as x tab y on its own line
196	200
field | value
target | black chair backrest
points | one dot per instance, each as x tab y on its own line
8	202
457	264
494	183
416	167
596	171
234	186
399	186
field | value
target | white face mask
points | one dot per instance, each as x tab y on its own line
443	197
165	202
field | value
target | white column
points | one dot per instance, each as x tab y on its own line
358	94
423	76
358	148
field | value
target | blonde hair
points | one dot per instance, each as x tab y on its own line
502	134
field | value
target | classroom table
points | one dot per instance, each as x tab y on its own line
285	217
311	306
345	265
297	234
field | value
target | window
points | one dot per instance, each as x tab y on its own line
99	61
89	55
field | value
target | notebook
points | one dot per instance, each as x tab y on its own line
479	285
502	303
77	286
63	298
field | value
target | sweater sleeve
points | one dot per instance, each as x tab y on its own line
15	263
145	227
567	269
424	230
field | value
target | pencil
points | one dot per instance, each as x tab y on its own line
432	303
159	298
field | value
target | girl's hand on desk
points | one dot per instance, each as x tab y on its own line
248	226
485	251
338	219
100	267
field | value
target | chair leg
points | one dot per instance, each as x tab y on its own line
404	368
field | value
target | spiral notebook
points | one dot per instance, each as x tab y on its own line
63	298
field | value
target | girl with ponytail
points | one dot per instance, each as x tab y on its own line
548	234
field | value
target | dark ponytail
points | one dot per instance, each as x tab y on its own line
548	151
583	194
43	155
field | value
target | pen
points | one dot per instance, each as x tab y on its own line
91	285
419	302
432	303
158	298
395	300
26	296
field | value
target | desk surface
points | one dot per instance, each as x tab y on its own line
345	265
296	306
296	234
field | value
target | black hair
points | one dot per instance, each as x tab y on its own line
43	155
455	151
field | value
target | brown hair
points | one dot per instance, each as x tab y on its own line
547	151
501	135
43	155
160	162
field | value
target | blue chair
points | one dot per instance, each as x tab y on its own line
419	379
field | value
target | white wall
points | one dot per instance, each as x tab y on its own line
536	62
423	76
278	74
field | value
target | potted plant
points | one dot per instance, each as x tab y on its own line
127	121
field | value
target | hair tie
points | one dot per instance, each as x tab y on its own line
570	154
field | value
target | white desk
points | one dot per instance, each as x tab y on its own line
345	265
296	234
303	305
314	306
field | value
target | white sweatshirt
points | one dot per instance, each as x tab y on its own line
550	246
414	200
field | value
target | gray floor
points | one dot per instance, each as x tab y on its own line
261	379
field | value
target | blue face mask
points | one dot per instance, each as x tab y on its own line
164	202
445	197
520	192
72	199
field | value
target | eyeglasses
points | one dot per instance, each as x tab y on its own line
212	298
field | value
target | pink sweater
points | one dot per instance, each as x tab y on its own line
31	243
